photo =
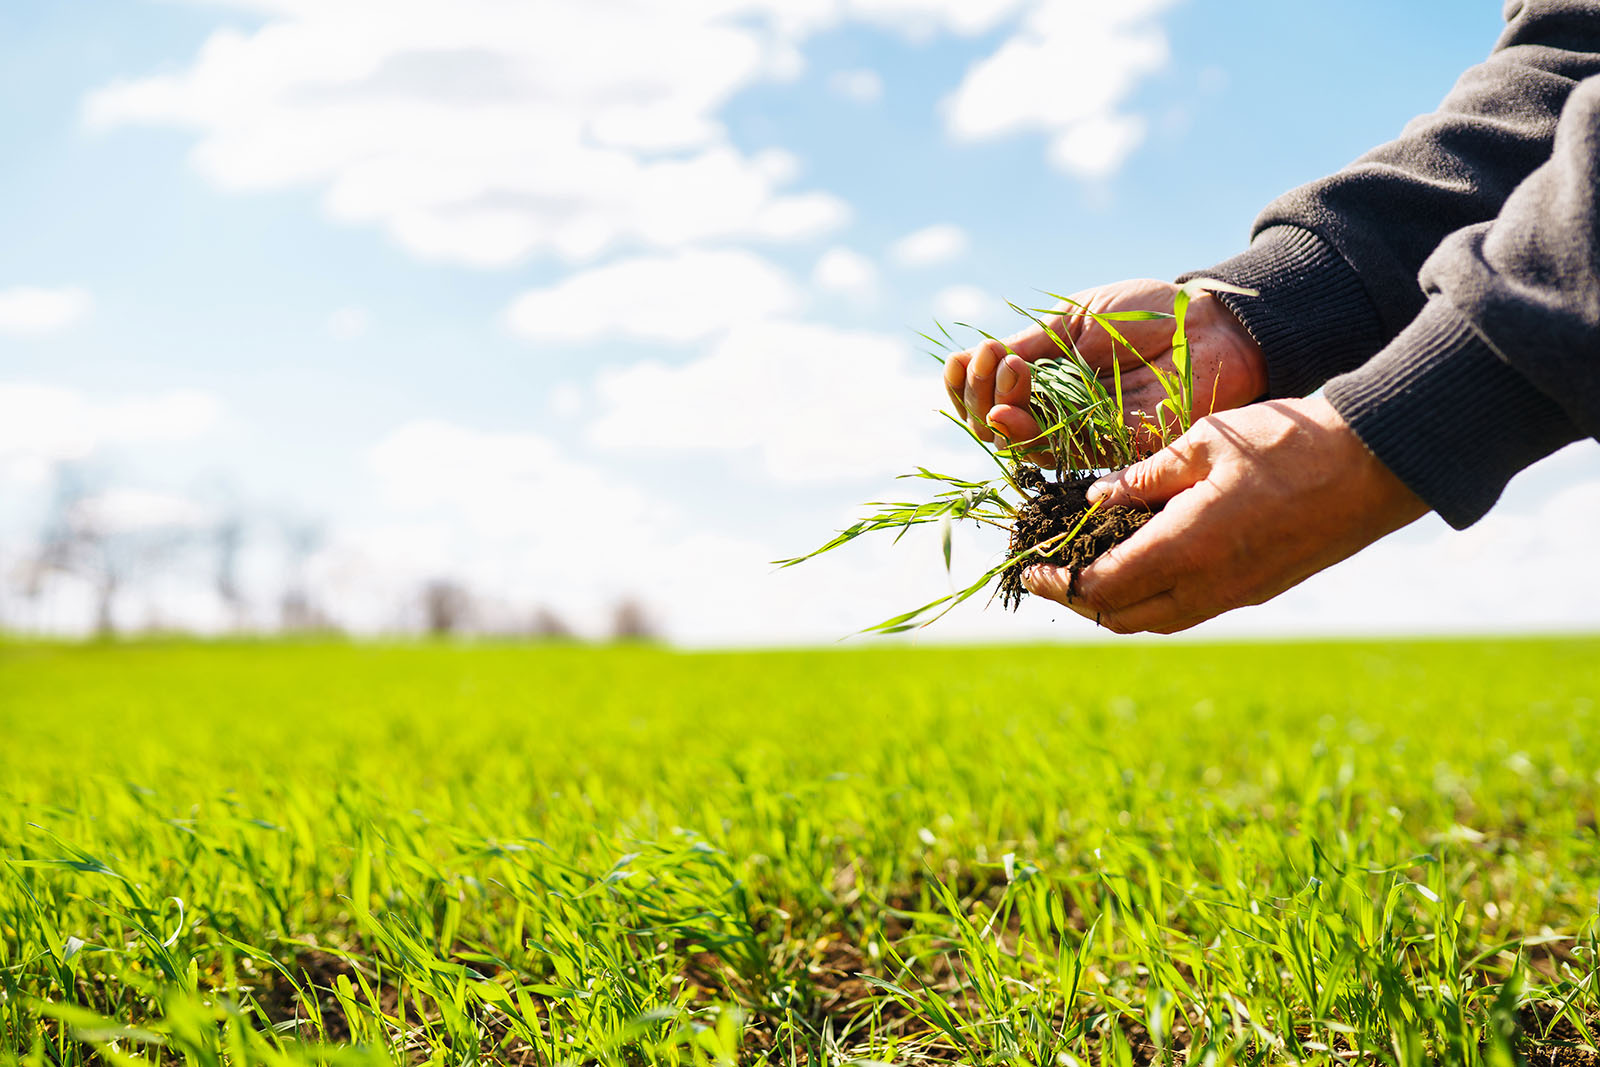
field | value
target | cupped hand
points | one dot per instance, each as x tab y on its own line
989	382
1257	500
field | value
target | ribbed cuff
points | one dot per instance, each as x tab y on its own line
1448	416
1313	318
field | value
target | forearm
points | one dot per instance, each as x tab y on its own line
1336	261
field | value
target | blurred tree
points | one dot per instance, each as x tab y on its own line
631	622
546	625
227	539
297	612
84	536
447	607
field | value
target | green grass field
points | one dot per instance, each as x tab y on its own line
1336	853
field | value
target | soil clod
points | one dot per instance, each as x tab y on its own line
1054	509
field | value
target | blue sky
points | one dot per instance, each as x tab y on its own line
291	271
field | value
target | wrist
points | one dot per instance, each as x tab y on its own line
1368	481
1447	415
1235	336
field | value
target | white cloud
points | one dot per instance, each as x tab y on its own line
41	424
930	245
566	400
349	323
965	303
32	311
815	403
683	296
1068	72
841	270
483	132
509	484
863	86
918	18
1096	147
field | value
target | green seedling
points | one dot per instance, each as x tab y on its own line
1085	427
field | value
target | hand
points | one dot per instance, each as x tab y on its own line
1257	500
989	387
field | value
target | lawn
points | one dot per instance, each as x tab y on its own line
1127	854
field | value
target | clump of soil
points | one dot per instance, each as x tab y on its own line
1054	508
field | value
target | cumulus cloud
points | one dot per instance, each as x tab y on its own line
1068	72
965	303
683	296
32	311
41	424
930	246
862	86
841	270
918	18
814	402
507	484
483	132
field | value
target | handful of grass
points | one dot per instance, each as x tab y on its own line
1085	430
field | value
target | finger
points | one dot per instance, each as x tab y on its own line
1160	614
1134	343
1099	343
1049	581
1159	478
1072	322
1018	426
1161	554
1012	381
979	393
1034	343
955	380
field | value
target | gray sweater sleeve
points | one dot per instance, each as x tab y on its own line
1502	366
1336	261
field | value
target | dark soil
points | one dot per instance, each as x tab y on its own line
1055	508
1559	1045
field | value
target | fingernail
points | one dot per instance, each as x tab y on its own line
998	430
1098	490
1004	378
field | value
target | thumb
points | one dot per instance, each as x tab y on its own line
1154	480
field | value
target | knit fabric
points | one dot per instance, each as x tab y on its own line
1449	282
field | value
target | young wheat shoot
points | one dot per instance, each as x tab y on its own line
1085	427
